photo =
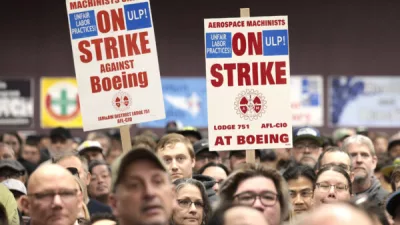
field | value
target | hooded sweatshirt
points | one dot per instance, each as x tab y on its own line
376	193
208	183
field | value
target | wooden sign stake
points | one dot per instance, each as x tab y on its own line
250	154
126	138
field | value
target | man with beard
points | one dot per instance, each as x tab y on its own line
364	160
307	146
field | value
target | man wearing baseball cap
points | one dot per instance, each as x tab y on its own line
203	154
61	141
11	169
18	189
91	150
307	146
142	192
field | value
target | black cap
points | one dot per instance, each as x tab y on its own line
60	132
202	145
12	164
190	131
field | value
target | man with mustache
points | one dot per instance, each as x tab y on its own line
364	160
142	191
307	142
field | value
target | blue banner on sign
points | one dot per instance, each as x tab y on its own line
275	42
137	16
185	101
219	45
83	24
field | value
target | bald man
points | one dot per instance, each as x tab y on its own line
53	197
336	214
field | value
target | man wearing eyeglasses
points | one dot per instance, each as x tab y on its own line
53	197
307	142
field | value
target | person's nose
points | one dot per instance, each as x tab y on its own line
307	150
150	190
57	202
216	187
358	159
257	205
332	192
192	209
298	200
174	165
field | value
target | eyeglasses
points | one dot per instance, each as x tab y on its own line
65	195
267	198
325	187
302	147
303	194
187	203
204	157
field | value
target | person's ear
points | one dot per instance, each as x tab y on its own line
193	161
25	204
112	201
89	177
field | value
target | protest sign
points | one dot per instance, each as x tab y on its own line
116	62
59	103
16	103
307	100
371	101
248	83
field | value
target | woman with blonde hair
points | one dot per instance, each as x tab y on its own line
84	212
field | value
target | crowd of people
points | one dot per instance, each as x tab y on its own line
349	177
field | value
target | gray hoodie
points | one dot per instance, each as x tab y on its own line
376	193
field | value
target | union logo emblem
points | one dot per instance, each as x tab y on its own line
250	104
122	101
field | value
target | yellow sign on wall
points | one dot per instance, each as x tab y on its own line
59	103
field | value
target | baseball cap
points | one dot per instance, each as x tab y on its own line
393	202
89	146
394	140
387	170
137	154
341	133
12	164
60	132
202	145
307	133
15	185
187	131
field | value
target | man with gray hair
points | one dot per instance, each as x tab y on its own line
364	160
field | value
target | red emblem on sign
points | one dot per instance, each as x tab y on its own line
250	104
122	101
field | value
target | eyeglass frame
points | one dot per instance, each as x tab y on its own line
255	196
179	201
308	191
53	193
307	147
318	185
